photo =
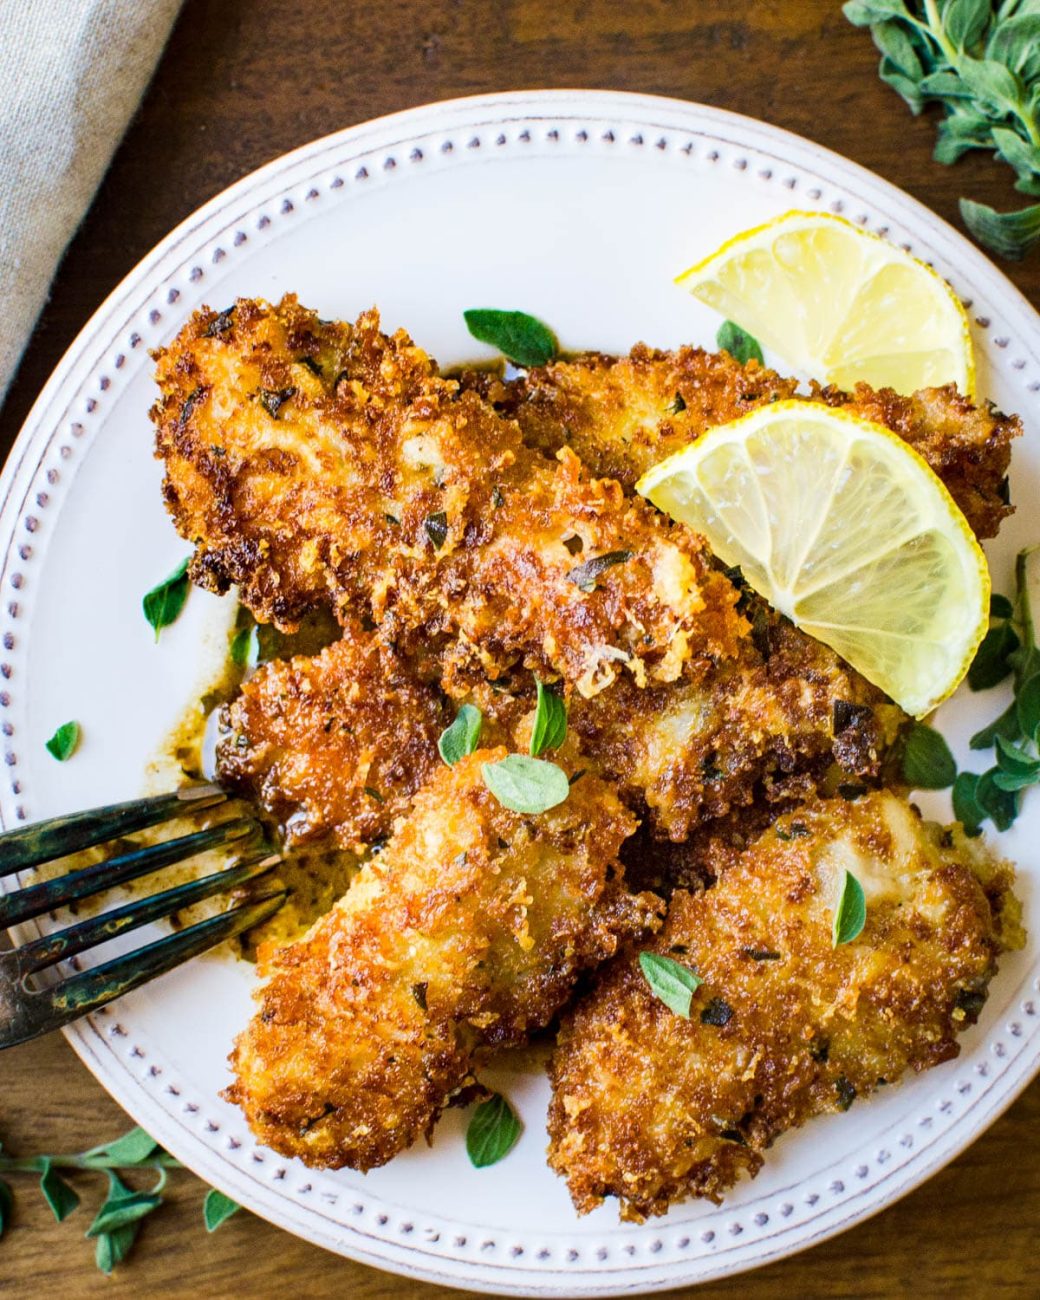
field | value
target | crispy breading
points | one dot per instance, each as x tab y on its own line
768	724
622	415
364	481
318	742
333	745
467	931
650	1107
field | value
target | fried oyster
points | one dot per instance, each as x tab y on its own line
467	931
650	1107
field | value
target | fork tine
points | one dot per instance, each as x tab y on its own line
30	845
36	899
94	988
38	954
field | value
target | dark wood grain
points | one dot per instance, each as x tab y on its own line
242	82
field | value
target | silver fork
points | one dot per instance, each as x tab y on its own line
29	1008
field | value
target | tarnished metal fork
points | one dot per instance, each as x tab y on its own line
28	1007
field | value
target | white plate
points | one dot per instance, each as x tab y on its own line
579	207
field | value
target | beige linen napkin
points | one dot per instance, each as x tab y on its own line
72	73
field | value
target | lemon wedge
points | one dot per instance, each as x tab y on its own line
840	304
841	526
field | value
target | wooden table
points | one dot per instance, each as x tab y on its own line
240	83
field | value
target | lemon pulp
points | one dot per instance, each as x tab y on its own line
843	527
840	304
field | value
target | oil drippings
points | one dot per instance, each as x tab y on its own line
315	875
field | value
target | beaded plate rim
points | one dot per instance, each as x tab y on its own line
70	412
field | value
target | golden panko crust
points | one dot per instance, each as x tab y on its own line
650	1107
622	415
325	463
336	744
468	930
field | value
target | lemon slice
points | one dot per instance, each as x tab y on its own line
840	304
846	530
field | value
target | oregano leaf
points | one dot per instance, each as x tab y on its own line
850	911
58	1194
113	1247
62	745
217	1209
966	21
966	807
122	1207
670	981
991	663
550	721
118	1213
1000	806
1009	234
163	604
927	761
894	42
526	785
463	736
741	345
521	338
1006	725
130	1149
493	1131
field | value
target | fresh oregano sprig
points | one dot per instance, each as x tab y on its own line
980	63
116	1223
1008	649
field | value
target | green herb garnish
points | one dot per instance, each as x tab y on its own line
462	737
163	604
671	982
242	645
116	1224
1000	805
62	745
992	662
927	761
741	345
966	807
217	1209
493	1131
550	721
1006	725
526	785
980	62
56	1192
995	794
850	914
520	338
585	575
